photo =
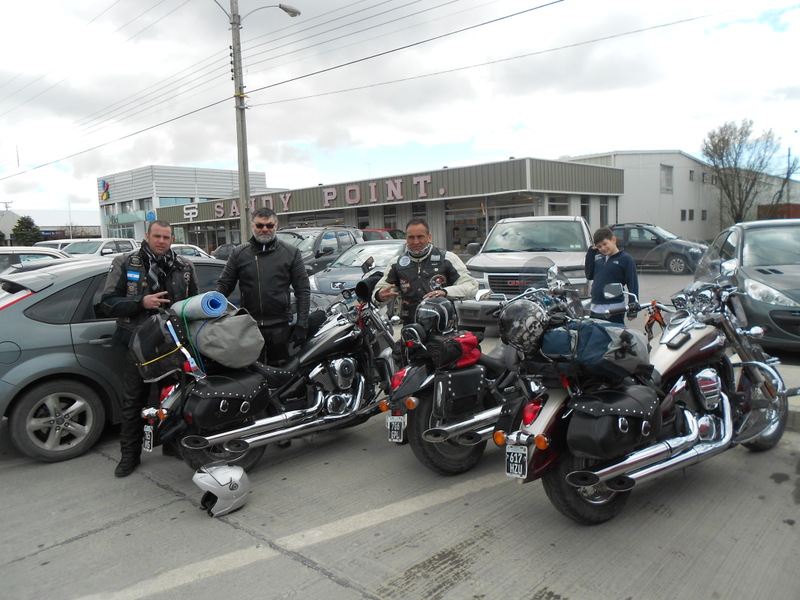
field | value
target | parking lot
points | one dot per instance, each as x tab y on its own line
347	515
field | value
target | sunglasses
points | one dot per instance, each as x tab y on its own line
263	225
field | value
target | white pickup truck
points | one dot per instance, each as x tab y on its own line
499	264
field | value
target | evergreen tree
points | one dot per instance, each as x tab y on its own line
26	233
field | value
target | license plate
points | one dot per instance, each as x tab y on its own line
147	442
396	425
517	461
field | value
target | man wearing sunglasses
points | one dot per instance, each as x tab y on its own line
265	269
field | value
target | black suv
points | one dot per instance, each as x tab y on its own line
652	246
320	245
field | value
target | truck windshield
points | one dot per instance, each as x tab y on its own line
539	236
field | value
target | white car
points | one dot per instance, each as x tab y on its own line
92	247
190	250
22	257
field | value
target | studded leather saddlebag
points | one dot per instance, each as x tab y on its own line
220	399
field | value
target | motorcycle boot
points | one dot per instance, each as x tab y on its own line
127	464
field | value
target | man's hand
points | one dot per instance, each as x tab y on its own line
299	335
155	300
435	294
384	294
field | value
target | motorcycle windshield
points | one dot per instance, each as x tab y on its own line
541	273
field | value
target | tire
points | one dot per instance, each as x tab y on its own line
394	307
198	458
447	458
770	438
57	420
587	505
677	264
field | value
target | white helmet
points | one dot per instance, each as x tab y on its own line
226	488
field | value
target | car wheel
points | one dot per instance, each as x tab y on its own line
677	265
57	421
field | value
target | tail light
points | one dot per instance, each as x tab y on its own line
531	410
398	377
165	391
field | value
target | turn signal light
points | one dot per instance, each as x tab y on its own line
383	405
162	414
541	441
499	437
412	402
531	410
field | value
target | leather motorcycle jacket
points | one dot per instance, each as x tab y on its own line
265	273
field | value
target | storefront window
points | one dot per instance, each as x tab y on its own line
604	212
390	217
362	218
558	205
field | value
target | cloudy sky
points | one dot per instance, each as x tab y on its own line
353	90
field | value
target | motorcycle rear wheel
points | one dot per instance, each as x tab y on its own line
447	458
589	505
197	458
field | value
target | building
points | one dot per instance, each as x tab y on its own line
665	187
129	200
54	224
460	204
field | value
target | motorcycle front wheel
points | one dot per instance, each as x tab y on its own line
447	458
765	394
197	458
588	505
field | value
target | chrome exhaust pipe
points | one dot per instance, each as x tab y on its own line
661	458
198	442
256	439
477	421
475	437
642	458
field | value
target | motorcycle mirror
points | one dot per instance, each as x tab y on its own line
612	290
481	294
728	268
368	265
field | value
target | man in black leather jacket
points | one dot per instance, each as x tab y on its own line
265	268
138	284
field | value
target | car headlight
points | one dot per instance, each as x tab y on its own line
312	282
769	295
480	278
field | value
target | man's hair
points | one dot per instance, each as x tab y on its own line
160	224
264	213
418	221
604	233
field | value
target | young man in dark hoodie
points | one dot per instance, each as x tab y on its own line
265	268
605	263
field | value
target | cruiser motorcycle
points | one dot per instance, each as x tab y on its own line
333	381
591	438
445	401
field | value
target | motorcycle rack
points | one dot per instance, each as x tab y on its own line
471	425
661	458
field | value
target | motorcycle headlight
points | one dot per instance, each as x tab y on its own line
769	295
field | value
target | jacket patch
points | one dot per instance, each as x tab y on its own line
404	261
134	276
135	260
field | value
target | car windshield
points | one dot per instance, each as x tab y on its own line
82	247
302	241
538	236
663	233
771	246
356	255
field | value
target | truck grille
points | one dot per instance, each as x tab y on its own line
513	284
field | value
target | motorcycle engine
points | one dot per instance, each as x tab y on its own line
336	379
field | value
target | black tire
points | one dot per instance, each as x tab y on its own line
198	458
57	420
770	438
586	505
677	264
447	458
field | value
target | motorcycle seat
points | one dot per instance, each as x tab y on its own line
274	376
495	363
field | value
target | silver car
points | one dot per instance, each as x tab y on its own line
59	377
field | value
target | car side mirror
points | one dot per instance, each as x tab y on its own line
105	251
473	248
324	251
655	240
728	268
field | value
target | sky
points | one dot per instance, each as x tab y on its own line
353	90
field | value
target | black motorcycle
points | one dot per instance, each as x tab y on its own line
334	381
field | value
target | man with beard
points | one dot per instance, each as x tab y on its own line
138	284
423	271
265	268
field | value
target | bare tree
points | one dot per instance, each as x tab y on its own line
743	166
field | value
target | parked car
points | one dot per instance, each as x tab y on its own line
190	250
320	245
383	234
499	264
59	377
763	259
345	271
57	244
16	257
654	246
100	246
223	252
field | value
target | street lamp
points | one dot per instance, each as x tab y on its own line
235	20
